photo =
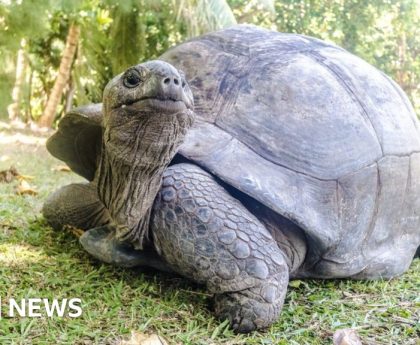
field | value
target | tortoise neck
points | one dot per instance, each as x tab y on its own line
134	157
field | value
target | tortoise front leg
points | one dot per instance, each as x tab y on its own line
102	244
208	236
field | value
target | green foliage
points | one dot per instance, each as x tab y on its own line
117	34
125	45
16	21
202	16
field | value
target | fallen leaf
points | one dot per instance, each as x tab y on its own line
75	231
25	177
25	188
8	175
295	283
143	339
62	167
346	336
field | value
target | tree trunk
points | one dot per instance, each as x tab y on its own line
48	116
29	117
402	71
69	96
21	62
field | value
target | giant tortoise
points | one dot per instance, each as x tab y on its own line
301	160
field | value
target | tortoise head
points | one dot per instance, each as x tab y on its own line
147	112
154	86
150	104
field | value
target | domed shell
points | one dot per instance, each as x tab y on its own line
314	133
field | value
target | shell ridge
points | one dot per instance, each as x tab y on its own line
234	138
337	73
372	223
407	185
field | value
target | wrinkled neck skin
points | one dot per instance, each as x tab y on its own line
137	147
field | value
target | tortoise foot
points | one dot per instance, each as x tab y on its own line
254	308
102	244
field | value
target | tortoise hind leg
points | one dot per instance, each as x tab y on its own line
76	205
210	237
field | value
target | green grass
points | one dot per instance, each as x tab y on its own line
36	261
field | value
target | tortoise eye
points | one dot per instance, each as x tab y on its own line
131	78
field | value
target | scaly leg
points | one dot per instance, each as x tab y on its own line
76	205
207	235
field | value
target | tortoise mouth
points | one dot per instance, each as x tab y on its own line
170	105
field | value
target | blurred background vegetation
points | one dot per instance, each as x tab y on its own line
59	54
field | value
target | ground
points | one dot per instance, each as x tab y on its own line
36	261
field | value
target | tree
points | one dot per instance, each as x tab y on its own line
19	22
117	34
63	76
202	16
21	63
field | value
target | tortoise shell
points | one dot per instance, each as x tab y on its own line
307	129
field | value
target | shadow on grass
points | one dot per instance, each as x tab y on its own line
55	243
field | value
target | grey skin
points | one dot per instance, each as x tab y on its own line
301	162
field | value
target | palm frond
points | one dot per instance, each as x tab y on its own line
202	16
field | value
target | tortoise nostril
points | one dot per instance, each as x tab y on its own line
167	80
176	81
183	83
